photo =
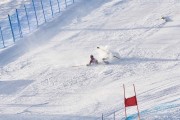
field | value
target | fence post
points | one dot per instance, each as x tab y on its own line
59	6
51	8
102	117
35	13
27	17
19	24
2	37
11	28
66	3
43	11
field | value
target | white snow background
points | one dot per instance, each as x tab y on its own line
44	76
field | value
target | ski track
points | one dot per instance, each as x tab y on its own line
42	83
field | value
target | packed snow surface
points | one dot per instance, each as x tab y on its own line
44	76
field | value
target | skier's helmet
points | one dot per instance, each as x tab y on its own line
91	56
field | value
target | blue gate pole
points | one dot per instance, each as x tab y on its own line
19	24
51	8
59	6
66	3
43	11
11	28
35	13
2	37
73	1
27	17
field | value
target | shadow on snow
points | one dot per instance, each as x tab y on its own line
12	87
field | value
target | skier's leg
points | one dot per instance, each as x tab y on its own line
105	60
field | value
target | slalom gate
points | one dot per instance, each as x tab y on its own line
128	102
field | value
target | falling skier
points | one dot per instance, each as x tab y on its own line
92	60
107	58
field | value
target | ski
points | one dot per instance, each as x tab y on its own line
78	65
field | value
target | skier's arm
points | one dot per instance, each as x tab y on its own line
90	62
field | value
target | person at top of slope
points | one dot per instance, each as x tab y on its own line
92	60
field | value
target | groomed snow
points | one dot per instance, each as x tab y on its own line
42	77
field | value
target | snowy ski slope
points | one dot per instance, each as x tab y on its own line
38	80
